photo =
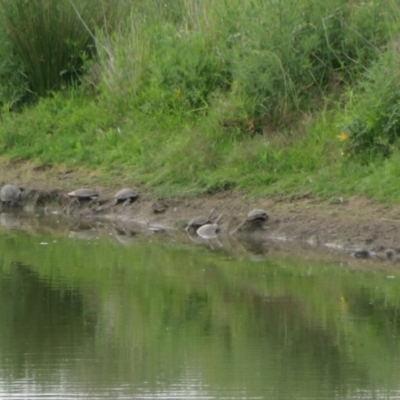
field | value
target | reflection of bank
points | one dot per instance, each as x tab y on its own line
85	230
9	221
255	249
125	235
83	235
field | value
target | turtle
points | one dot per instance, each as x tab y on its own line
255	219
159	207
198	222
209	231
257	215
84	194
125	196
10	194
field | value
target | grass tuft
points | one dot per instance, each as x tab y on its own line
53	39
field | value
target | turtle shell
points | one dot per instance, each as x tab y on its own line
10	193
125	194
197	222
257	214
208	231
84	194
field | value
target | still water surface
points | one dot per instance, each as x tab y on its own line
95	319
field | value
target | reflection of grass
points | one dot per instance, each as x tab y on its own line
168	296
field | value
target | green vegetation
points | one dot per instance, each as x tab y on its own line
191	96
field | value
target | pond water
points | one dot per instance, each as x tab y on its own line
158	319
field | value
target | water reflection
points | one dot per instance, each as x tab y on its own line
256	249
9	221
211	243
38	329
125	235
94	319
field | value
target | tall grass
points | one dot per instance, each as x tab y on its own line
14	87
371	123
212	95
277	59
52	39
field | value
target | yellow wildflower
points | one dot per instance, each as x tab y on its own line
343	136
178	93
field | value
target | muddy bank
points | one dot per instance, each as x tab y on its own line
356	227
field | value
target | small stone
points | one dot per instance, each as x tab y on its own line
390	254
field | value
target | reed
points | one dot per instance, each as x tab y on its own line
52	39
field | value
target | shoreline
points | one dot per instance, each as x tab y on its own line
356	226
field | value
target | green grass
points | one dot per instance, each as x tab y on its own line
52	40
198	98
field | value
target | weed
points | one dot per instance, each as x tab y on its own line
372	120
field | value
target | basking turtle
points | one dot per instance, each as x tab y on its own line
84	194
257	215
255	220
209	231
198	222
125	196
159	207
10	194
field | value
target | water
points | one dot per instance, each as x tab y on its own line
97	319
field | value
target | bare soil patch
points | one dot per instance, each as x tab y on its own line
355	226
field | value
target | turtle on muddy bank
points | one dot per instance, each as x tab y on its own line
210	230
159	207
80	195
125	196
10	194
257	215
197	222
84	194
254	220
